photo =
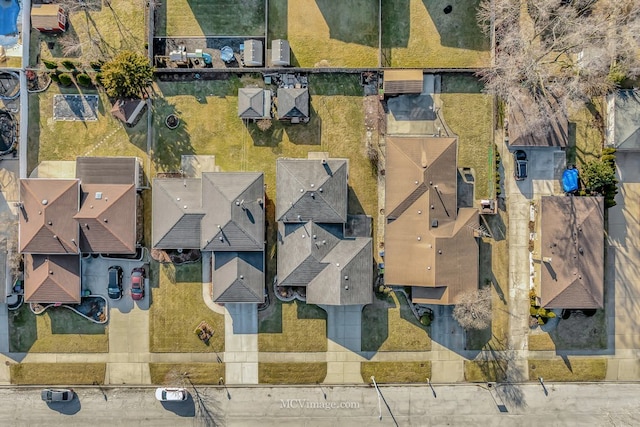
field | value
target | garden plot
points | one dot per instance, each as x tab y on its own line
75	108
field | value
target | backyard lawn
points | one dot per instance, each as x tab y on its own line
417	33
469	114
181	374
395	372
66	140
100	31
568	369
58	373
389	325
586	136
175	18
57	330
292	373
177	309
326	33
293	326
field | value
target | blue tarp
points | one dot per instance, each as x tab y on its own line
9	10
570	180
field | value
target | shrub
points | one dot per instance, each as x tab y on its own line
55	77
69	65
96	65
264	124
84	80
50	65
425	320
65	79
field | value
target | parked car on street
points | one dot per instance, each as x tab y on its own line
57	395
520	165
137	283
115	282
171	394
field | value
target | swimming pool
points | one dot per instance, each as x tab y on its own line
9	14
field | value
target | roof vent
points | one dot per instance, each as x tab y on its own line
337	264
50	271
429	268
45	201
433	207
346	287
320	189
184	207
50	223
440	252
299	218
259	201
302	190
241	276
419	238
313	185
324	242
98	195
346	277
178	199
430	182
415	182
313	195
419	212
221	239
580	250
314	236
237	202
105	220
434	223
219	227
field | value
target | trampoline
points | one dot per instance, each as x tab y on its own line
570	180
9	13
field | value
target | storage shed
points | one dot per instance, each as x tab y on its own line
48	18
398	82
253	53
280	53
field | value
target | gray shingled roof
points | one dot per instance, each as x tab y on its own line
107	170
627	120
293	102
251	103
234	202
238	277
177	212
312	190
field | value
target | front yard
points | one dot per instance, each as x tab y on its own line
395	372
57	373
177	308
294	326
181	374
578	332
568	369
389	325
58	330
292	373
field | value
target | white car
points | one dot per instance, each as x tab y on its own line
171	394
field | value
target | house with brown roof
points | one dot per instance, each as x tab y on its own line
430	243
63	218
221	212
572	252
313	252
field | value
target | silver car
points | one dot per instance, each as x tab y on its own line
57	395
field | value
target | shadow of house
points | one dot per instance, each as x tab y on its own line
254	103
221	212
293	104
351	22
311	210
623	117
430	242
456	23
572	250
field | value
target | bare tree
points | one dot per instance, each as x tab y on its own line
551	55
473	309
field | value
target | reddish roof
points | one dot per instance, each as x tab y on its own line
52	278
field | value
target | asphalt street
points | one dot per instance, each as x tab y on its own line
502	405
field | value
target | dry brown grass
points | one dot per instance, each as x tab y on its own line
176	373
297	327
57	373
476	371
292	373
396	372
571	369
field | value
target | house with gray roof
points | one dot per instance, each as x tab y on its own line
623	120
222	213
313	252
254	103
293	104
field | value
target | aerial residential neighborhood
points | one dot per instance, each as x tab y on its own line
207	204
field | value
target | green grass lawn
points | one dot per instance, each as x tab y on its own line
210	17
177	308
389	325
494	272
417	33
326	33
294	326
101	32
292	373
570	369
395	372
57	373
469	114
57	330
66	140
175	374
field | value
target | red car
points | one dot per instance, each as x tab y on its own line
137	283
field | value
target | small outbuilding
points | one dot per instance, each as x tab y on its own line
254	103
129	111
253	53
280	53
293	104
49	18
398	82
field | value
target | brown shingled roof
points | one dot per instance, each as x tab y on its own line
52	278
46	217
429	243
572	249
107	219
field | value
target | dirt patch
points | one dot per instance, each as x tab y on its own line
581	332
374	117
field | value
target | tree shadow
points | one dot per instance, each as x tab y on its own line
169	144
351	22
456	23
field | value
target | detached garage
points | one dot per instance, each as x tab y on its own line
48	18
398	82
